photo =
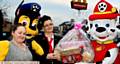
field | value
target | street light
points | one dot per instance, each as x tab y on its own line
79	5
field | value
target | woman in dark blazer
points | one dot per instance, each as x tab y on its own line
48	40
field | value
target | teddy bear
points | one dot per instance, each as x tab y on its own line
102	28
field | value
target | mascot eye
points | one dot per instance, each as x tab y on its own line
107	25
24	22
96	25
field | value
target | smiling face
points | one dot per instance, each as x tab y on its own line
19	34
103	30
48	26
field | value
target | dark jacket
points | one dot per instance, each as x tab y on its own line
42	40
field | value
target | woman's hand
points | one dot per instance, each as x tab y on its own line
87	57
54	55
50	56
57	56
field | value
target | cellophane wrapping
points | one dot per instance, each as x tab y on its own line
75	47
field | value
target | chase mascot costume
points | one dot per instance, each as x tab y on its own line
28	15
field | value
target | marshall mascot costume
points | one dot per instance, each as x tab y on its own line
102	28
28	15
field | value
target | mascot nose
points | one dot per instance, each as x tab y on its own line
33	27
100	29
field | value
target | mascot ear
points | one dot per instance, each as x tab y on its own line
17	10
88	26
85	25
118	31
118	23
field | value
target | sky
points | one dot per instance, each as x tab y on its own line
59	10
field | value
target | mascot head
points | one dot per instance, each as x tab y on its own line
102	23
28	15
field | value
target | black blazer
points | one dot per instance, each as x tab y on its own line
42	41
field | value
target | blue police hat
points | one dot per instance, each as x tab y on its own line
28	8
